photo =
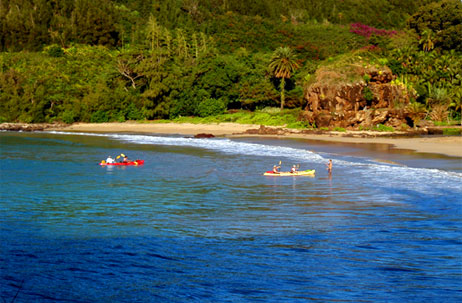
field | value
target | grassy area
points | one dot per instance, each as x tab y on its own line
446	123
383	128
269	116
452	131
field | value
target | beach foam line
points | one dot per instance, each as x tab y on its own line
229	146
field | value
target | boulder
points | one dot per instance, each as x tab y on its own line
313	101
264	130
380	117
306	116
323	119
29	127
203	135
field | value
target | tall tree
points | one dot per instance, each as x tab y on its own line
282	65
444	19
94	22
154	33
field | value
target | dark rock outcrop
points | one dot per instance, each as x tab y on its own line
356	105
264	130
28	127
203	135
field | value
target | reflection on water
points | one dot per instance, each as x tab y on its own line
199	222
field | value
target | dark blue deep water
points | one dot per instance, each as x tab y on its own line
199	223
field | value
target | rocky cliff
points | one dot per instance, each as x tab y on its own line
360	98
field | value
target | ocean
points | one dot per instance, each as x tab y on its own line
198	222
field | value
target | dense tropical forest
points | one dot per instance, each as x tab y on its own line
102	60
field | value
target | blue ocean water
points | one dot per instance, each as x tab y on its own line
198	222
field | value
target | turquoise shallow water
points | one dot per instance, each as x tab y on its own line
198	222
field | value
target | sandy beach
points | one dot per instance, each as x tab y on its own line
450	146
222	129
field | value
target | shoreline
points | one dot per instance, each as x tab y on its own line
445	145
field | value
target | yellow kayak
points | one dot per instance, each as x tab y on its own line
308	172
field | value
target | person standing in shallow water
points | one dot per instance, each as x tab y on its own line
329	166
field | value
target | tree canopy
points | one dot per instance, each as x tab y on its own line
103	60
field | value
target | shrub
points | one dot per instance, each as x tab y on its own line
383	128
99	116
270	110
300	125
379	41
118	116
211	107
439	112
133	113
54	51
367	31
396	67
339	129
415	111
68	117
452	132
367	78
368	95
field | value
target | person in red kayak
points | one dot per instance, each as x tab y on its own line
109	159
126	159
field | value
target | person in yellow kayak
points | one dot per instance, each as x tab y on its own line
276	169
293	169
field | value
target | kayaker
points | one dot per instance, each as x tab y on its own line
276	169
125	159
329	166
293	169
109	159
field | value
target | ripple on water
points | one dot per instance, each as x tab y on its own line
199	222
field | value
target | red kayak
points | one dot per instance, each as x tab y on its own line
136	162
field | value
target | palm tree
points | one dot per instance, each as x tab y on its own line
427	40
416	111
282	65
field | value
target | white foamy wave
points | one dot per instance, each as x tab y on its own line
78	134
227	146
399	177
382	172
217	144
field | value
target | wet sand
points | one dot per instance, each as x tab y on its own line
450	146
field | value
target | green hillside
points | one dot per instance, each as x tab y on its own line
101	60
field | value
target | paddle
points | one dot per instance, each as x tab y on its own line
121	155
